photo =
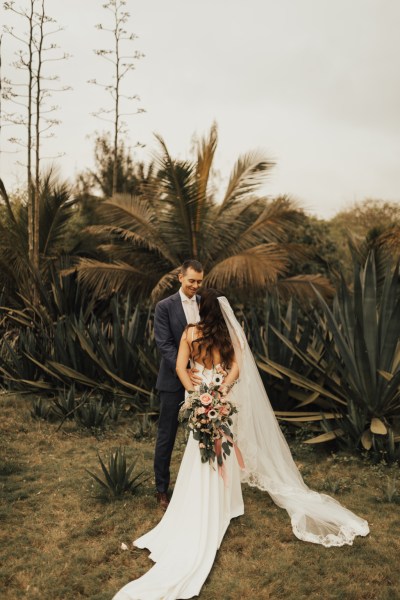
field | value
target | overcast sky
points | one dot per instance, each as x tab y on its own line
315	84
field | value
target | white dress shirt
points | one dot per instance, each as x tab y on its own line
190	308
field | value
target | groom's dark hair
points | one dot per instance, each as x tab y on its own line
191	264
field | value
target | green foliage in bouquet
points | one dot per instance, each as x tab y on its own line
118	477
209	417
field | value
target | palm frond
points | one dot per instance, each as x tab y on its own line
301	286
134	215
277	220
164	285
205	155
257	223
105	279
56	209
178	190
254	269
5	197
117	247
248	174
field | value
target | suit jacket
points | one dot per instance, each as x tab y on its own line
169	324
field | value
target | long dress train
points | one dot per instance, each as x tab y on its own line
184	543
269	465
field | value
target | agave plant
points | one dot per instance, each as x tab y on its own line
66	403
118	477
41	409
92	413
145	426
115	411
17	347
48	349
266	343
360	368
114	347
242	240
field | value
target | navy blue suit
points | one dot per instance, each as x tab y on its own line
169	324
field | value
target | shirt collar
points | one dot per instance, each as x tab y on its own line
184	298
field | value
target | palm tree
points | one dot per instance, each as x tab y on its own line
243	240
20	281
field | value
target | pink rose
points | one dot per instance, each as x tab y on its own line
205	399
225	410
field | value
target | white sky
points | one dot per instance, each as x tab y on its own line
313	83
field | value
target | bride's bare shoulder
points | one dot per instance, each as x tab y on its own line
190	333
193	330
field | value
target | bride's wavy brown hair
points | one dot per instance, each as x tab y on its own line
213	329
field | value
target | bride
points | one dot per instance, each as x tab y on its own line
184	543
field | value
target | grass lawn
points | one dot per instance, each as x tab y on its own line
60	541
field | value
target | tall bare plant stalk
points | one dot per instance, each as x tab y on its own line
123	62
31	58
31	207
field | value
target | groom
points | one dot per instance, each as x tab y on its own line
171	317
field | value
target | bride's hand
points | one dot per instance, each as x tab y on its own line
221	371
224	389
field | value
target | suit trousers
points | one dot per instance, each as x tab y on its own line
170	403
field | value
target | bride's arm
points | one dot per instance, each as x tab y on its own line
182	361
233	373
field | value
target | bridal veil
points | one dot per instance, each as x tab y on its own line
269	465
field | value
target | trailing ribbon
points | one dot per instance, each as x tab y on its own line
218	452
237	451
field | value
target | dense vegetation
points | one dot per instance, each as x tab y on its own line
322	315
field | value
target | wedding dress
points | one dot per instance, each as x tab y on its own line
184	543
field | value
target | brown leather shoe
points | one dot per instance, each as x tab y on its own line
162	500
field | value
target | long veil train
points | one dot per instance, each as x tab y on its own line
269	465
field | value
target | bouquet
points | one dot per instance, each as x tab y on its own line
209	416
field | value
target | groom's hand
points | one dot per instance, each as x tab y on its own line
194	378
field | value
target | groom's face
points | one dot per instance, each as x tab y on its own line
191	281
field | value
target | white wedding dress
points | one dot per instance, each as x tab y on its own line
184	543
